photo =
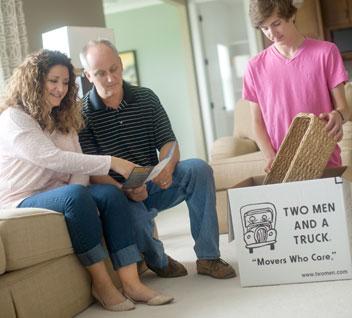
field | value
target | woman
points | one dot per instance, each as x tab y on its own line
41	165
295	74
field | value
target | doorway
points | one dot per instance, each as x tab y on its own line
223	42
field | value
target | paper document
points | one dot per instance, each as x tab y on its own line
141	175
161	165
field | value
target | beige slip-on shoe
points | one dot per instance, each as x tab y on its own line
124	306
160	299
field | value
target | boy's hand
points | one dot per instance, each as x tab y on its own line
269	164
333	124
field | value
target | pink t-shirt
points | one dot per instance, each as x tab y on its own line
285	87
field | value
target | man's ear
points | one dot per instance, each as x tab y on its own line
88	76
120	61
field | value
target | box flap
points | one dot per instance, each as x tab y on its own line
344	172
347	173
250	182
231	233
333	172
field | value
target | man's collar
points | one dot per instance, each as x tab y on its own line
95	100
98	104
128	95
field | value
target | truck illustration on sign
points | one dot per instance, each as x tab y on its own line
258	223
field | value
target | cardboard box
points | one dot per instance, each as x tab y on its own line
293	232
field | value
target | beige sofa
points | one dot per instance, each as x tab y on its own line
237	157
40	277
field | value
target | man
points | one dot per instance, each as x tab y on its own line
295	74
129	122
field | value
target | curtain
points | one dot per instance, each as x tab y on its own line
13	37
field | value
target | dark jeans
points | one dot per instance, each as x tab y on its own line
193	183
80	206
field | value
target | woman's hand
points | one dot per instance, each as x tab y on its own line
122	166
334	124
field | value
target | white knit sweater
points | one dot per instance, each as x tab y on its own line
33	161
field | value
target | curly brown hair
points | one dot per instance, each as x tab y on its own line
260	10
26	89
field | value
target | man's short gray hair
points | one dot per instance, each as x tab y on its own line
92	43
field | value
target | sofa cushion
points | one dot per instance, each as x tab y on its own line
57	288
242	120
346	144
228	147
222	207
6	305
228	172
32	236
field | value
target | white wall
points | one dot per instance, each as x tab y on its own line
45	15
159	34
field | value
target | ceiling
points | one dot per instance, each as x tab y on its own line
112	6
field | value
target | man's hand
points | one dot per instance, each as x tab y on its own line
164	178
333	124
137	194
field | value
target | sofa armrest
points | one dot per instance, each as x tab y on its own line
31	236
229	146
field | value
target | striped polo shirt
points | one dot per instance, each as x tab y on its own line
134	131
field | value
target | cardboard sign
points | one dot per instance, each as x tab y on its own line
292	232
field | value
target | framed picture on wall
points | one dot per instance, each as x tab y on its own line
130	68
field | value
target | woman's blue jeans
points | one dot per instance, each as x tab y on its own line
80	206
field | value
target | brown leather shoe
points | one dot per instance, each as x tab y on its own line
216	268
173	269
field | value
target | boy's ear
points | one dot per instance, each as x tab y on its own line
294	18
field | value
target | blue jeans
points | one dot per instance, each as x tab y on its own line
193	182
86	227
